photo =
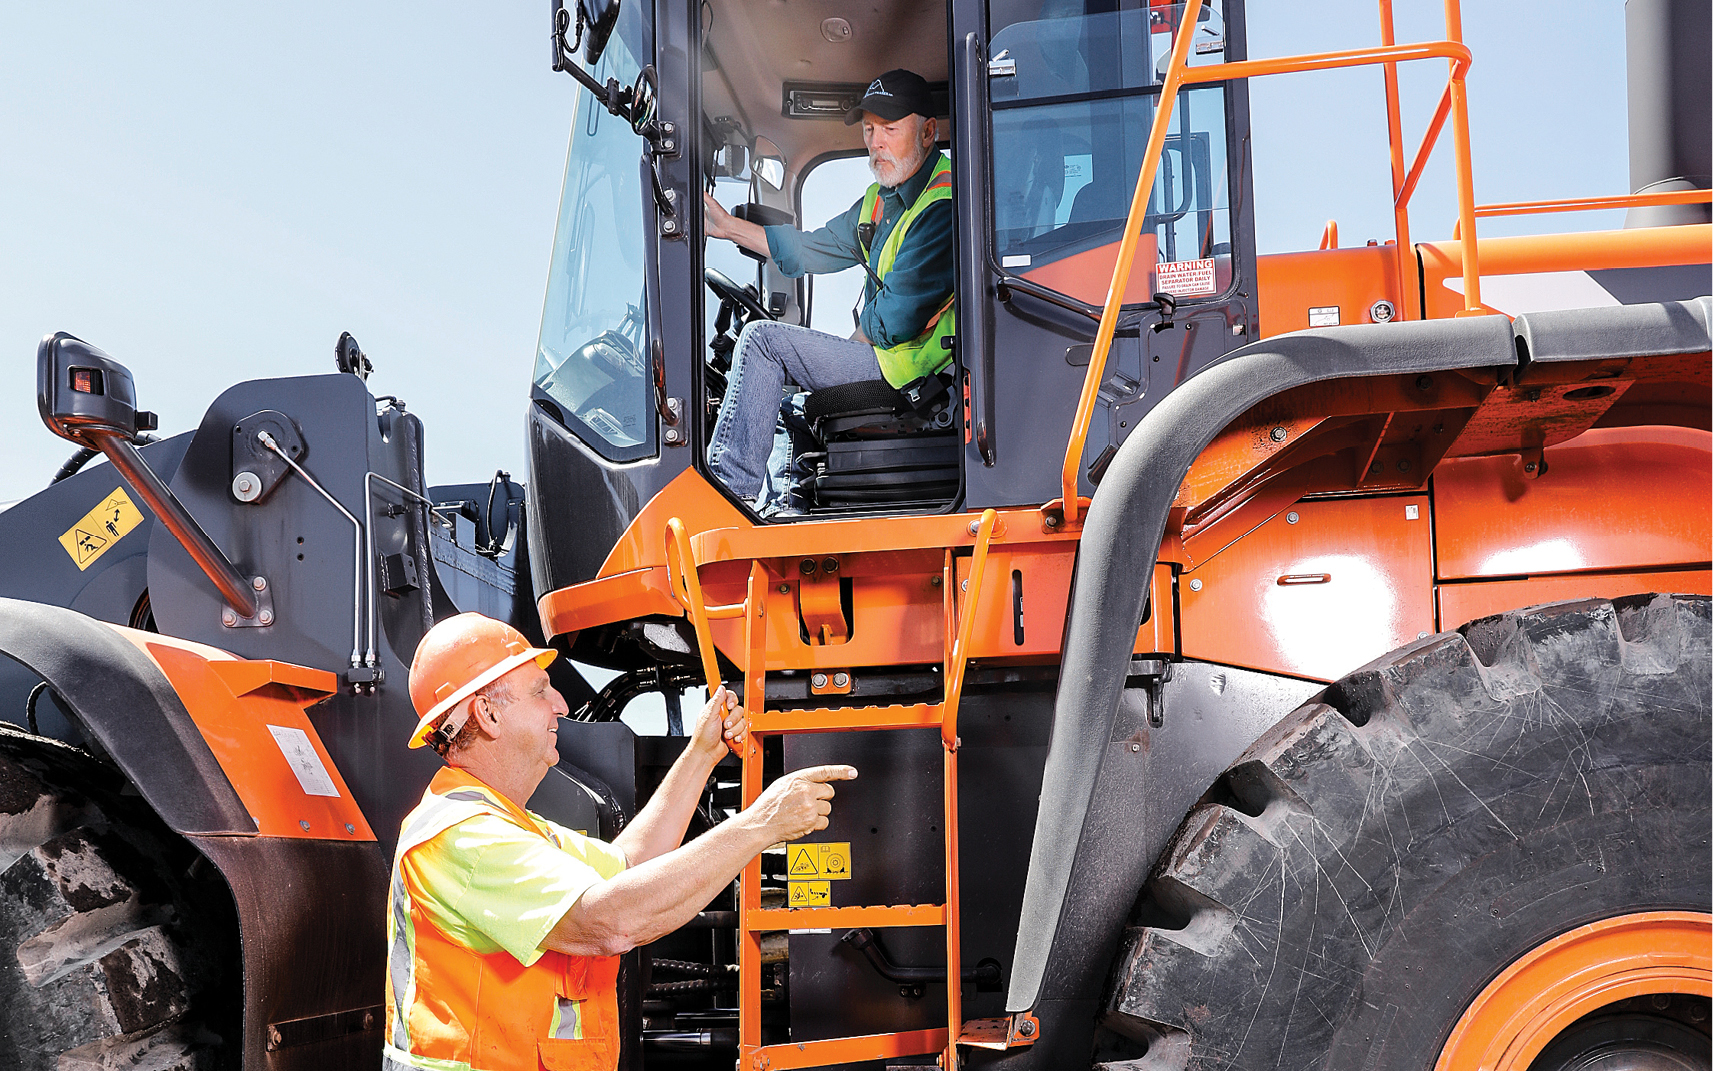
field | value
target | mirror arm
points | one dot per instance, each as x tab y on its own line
614	97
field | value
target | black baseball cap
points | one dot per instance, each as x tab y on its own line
894	95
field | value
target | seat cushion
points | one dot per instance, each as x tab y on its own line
870	395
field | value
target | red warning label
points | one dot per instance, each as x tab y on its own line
1184	278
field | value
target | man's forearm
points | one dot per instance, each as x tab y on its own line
649	901
659	827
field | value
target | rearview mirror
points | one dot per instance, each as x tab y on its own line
597	18
81	390
768	163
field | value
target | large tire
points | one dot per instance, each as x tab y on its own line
113	954
1375	859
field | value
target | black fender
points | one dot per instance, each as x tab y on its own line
311	913
1086	863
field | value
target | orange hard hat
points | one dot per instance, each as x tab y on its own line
458	657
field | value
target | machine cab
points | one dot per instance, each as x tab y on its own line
1044	111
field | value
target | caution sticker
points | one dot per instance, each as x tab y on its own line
811	894
100	528
1185	278
818	861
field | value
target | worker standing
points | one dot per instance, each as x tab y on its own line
504	929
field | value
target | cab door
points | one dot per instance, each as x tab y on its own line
1056	103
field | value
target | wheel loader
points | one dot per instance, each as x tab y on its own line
1252	661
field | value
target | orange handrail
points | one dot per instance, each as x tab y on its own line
1453	103
686	588
1590	204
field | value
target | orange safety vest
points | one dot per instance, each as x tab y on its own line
452	1009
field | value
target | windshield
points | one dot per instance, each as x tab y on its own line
591	358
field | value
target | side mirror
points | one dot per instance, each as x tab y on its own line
767	163
83	394
597	19
731	160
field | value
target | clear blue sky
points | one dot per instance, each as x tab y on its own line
212	192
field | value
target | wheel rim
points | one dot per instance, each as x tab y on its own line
1558	982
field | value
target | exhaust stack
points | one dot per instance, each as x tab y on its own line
1667	47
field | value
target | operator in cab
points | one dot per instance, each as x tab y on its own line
902	229
504	929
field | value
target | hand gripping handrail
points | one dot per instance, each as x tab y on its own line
686	589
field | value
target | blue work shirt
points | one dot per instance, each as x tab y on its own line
921	275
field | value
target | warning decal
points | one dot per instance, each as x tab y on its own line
1184	278
822	861
811	894
100	528
305	763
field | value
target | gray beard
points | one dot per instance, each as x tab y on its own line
905	168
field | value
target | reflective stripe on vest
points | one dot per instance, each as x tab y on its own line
472	1012
926	353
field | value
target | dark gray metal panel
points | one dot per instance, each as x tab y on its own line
126	707
1121	540
1622	331
312	923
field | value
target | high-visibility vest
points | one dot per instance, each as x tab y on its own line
450	1008
926	353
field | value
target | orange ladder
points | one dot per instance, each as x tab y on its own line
753	919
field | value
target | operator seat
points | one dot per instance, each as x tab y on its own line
882	444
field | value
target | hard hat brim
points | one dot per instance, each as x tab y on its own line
541	656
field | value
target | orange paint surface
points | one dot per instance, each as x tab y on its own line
1289	284
1356	585
237	705
1583	513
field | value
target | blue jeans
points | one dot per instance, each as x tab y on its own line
768	352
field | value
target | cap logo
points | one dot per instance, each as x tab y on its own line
875	89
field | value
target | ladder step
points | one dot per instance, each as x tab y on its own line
844	1050
826	918
845	719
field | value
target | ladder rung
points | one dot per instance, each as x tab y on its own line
846	1050
845	719
826	918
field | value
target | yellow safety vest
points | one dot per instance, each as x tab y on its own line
926	353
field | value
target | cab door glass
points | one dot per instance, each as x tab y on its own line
591	360
1070	123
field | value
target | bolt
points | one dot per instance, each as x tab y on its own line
1697	1013
841	680
1292	518
964	585
807	567
1661	1001
1381	312
1053	520
1528	466
785	589
1421	635
1135	747
260	583
934	581
829	565
819	680
304	823
1026	1028
671	435
228	618
1403	464
266	617
246	487
975	526
672	195
349	828
1424	382
1195	585
670	226
668	145
1373	468
1278	434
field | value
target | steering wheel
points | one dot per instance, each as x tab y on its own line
735	295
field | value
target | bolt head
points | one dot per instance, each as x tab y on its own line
670	226
785	589
1195	585
841	680
819	680
260	583
1278	434
830	565
935	580
964	585
349	828
1135	747
1026	1028
304	823
1292	518
975	526
807	567
1403	464
1529	466
1053	520
266	617
671	435
228	618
